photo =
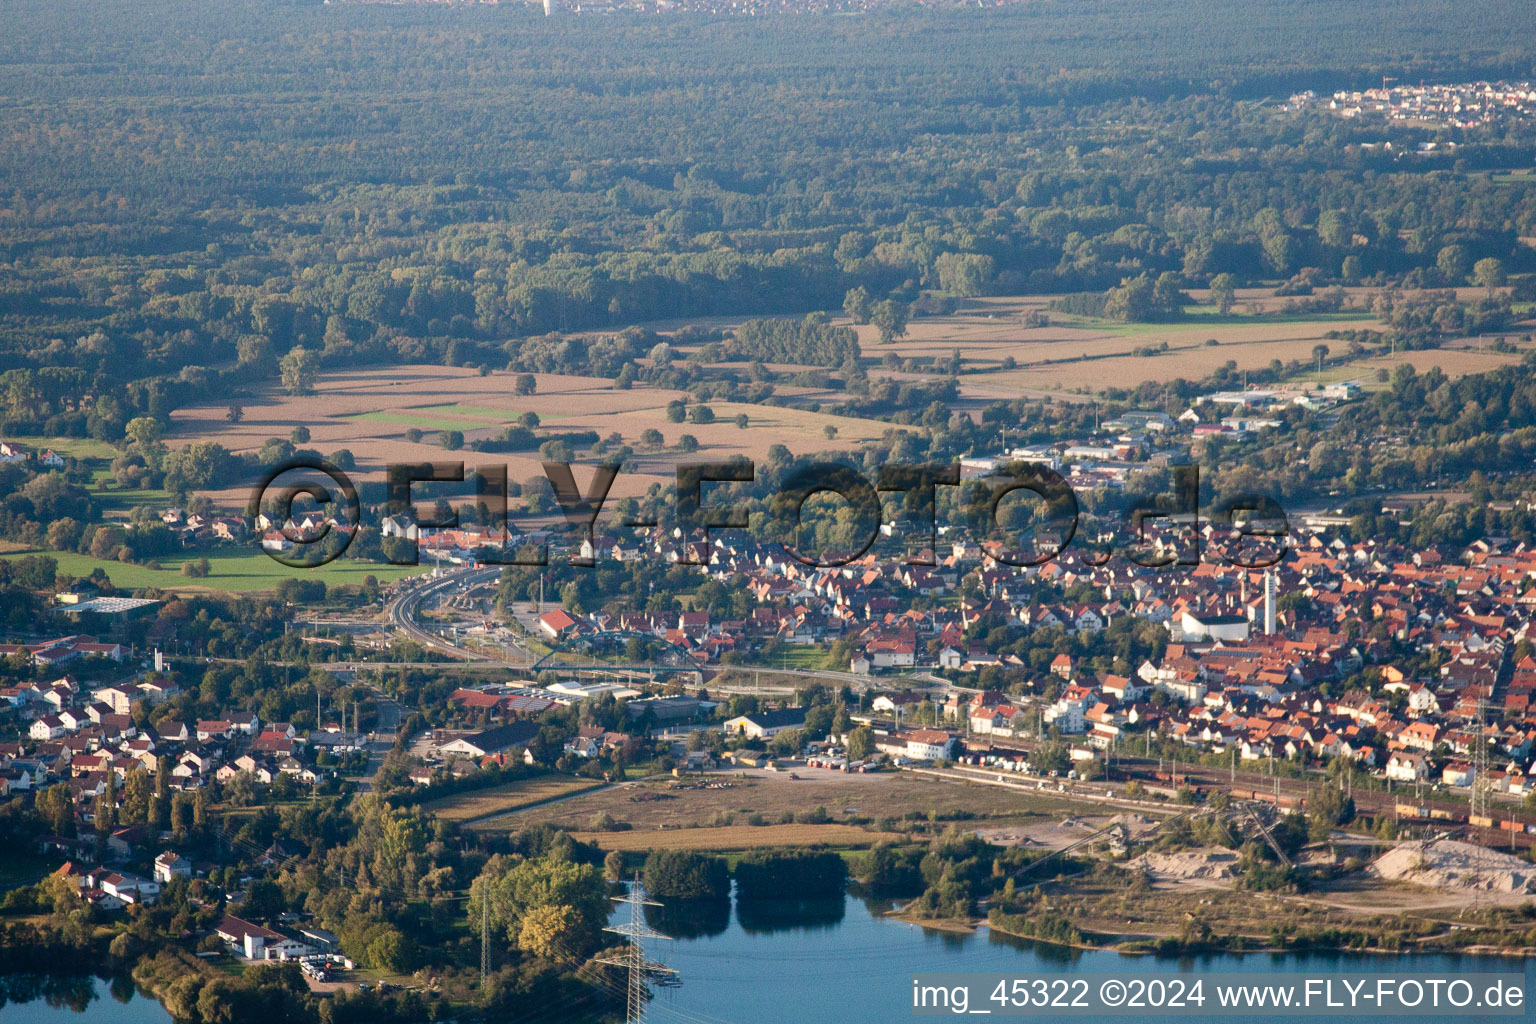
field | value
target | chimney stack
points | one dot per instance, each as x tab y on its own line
1269	603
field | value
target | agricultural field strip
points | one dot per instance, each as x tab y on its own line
737	837
512	796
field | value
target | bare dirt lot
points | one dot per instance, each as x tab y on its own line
1053	834
737	837
668	804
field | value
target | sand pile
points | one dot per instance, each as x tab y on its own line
1004	837
1135	824
1451	864
1206	862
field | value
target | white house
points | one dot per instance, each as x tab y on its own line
130	888
170	864
398	526
1422	700
929	744
119	698
1066	715
245	937
1403	766
766	724
1458	774
998	719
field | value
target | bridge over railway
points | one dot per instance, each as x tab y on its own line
675	658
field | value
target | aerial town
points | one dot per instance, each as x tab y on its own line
1453	105
581	511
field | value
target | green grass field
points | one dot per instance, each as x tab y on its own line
123	502
439	422
23	867
236	570
469	412
72	447
436	421
98	456
466	411
1205	316
799	656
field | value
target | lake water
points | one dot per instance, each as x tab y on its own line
847	964
75	999
832	962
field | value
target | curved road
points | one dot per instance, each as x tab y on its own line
402	610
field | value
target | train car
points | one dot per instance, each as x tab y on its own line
1412	811
1482	821
1440	814
1242	794
1511	826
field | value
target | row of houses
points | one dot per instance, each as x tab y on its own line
13	452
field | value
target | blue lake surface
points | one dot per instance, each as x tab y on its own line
76	999
822	962
848	965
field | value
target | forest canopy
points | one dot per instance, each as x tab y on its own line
274	190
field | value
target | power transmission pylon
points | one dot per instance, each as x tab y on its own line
1480	802
485	937
633	958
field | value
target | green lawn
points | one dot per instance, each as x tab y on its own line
98	455
466	411
1353	371
1214	319
235	570
438	422
19	868
126	501
471	412
71	447
806	656
1206	316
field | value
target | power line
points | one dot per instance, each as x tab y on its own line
633	958
485	938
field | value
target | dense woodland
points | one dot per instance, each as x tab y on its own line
186	208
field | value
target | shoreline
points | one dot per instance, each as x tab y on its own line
1121	945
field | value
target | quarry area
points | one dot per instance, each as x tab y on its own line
1449	864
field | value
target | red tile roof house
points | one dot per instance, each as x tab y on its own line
558	623
274	743
256	942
